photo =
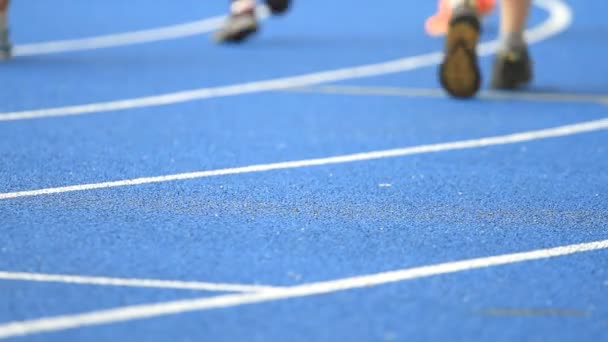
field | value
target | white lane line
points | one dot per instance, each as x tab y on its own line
436	92
561	131
130	282
136	312
560	17
129	38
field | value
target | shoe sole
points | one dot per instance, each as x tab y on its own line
237	37
459	72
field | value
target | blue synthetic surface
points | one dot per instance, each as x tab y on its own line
302	225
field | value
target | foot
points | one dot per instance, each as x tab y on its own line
459	73
241	24
6	48
512	69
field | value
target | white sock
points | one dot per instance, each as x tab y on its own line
512	41
242	6
462	3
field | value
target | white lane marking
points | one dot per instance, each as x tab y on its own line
436	92
560	18
129	38
136	312
130	282
560	131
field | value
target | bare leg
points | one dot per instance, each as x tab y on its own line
3	6
3	14
514	15
513	66
514	18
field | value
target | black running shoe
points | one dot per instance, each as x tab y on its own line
6	48
459	73
237	28
512	69
278	6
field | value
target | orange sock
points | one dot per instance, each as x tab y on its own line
437	24
485	6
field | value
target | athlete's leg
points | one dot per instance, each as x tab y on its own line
3	13
459	72
514	17
512	67
5	45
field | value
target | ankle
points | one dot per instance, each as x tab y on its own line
470	5
464	7
3	21
512	41
239	7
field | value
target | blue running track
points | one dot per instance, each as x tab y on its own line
260	251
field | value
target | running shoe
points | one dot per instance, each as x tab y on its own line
278	7
241	24
459	73
512	69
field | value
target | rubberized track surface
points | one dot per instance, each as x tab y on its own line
312	184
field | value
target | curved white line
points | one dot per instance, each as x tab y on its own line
129	313
559	19
130	38
131	282
146	311
561	131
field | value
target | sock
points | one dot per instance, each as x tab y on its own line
512	41
242	6
462	3
464	7
3	21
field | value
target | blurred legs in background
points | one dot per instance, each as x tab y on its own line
459	72
5	44
242	21
240	24
513	67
